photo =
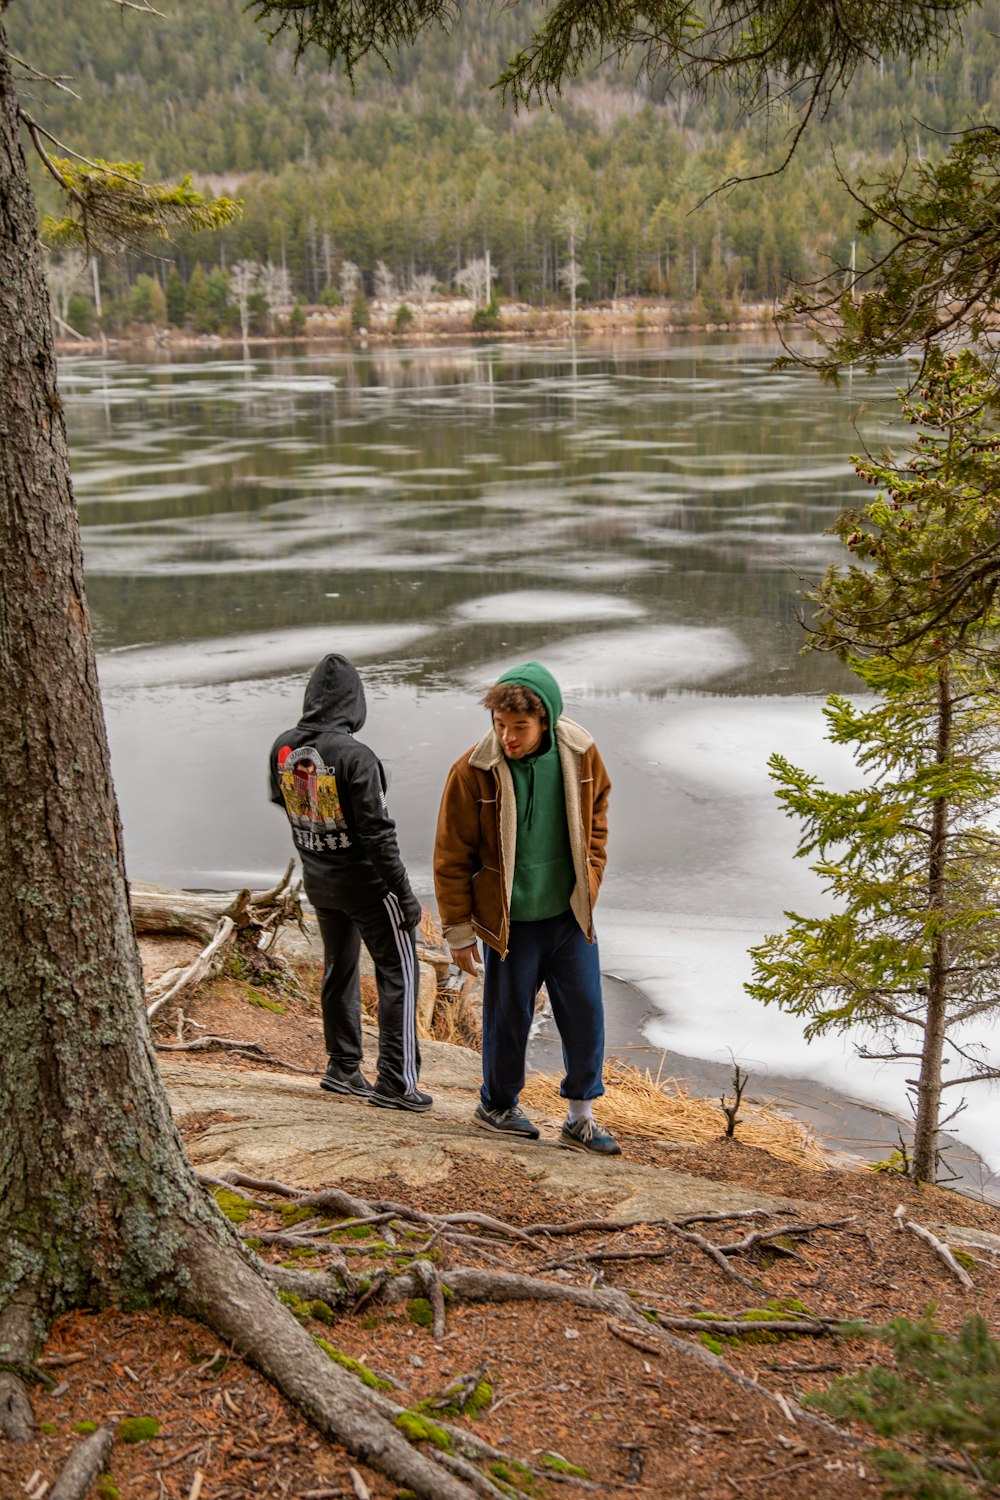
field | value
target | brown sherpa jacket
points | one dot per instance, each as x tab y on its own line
475	845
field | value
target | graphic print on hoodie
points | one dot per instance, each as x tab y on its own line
312	801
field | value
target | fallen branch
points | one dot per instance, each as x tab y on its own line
940	1249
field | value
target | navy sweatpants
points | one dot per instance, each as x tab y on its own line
378	922
553	952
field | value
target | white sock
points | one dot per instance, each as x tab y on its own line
579	1109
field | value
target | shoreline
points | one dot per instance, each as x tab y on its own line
859	1133
516	322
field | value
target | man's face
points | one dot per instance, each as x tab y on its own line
520	734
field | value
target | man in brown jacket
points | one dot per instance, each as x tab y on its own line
518	861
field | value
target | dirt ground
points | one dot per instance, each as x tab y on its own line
575	1394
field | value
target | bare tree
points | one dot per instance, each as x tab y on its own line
570	274
420	291
244	280
275	288
64	277
385	285
476	279
350	280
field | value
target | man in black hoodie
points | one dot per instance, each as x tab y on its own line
332	789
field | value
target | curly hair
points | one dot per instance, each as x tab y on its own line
513	698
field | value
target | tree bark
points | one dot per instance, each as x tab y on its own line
925	1129
92	1176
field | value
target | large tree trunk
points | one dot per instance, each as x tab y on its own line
92	1177
98	1203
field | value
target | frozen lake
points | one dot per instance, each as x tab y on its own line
640	517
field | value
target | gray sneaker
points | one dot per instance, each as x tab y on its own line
415	1101
507	1121
354	1083
587	1135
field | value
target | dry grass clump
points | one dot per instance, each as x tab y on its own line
457	1019
653	1109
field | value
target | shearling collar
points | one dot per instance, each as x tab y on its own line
489	752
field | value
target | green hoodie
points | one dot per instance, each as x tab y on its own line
543	864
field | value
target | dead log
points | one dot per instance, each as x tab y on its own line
197	914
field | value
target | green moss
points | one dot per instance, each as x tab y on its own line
372	1320
964	1258
481	1399
85	1428
420	1312
48	1429
236	1209
404	1258
560	1466
450	1403
418	1428
366	1376
894	1162
710	1342
295	1213
251	1244
106	1488
300	1253
790	1305
353	1232
138	1429
263	1003
513	1473
304	1308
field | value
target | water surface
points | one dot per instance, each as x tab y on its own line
641	517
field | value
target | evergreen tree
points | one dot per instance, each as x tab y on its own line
912	858
199	309
176	298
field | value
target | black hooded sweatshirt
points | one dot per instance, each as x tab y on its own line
332	789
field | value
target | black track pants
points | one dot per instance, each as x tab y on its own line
378	923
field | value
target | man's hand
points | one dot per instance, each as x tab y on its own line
468	959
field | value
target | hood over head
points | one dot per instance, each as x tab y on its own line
335	697
531	674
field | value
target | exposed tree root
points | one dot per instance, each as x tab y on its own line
87	1460
473	1285
19	1344
252	1051
234	1300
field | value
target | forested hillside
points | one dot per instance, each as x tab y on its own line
421	169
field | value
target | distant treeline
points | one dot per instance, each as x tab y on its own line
420	169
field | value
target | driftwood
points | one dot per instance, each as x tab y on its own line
175	981
249	919
197	914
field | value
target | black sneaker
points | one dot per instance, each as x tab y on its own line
386	1098
507	1121
354	1083
587	1135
